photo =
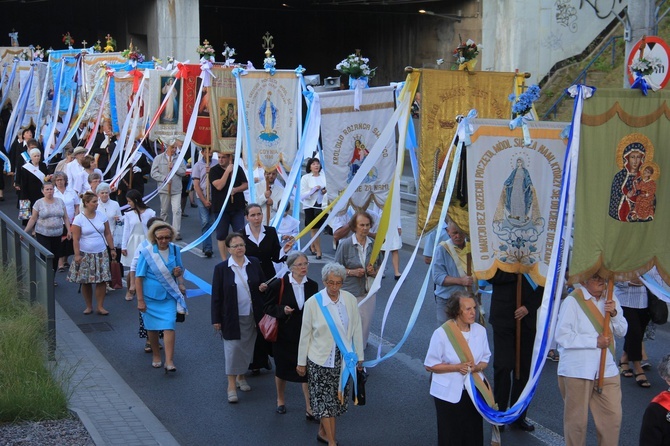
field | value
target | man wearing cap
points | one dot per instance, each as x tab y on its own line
170	194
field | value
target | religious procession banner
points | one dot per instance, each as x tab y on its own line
64	85
621	212
91	64
9	53
190	87
273	106
123	90
7	56
445	95
36	84
171	120
348	135
513	196
223	110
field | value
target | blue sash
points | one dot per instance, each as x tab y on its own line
163	275
349	356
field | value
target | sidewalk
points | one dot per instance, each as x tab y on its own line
110	410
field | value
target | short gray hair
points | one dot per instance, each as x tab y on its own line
60	174
333	268
103	187
664	368
94	176
293	256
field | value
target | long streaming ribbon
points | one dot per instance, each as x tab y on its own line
5	94
19	112
91	137
55	107
43	100
548	311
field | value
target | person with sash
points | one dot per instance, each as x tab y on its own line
91	237
449	268
458	349
655	430
18	153
33	176
237	307
170	195
580	339
160	290
286	302
330	349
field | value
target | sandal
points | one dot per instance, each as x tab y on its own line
553	355
642	382
626	372
147	348
130	295
645	364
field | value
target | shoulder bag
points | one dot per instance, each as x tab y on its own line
268	324
658	309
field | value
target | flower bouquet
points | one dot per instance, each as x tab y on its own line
206	51
133	55
466	55
110	44
356	66
521	107
68	40
645	67
269	63
228	54
38	54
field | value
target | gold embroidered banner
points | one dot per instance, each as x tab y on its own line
621	210
444	95
223	110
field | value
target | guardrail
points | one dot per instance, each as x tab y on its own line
582	75
33	269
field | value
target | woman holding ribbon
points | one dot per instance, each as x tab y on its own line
134	232
457	349
237	306
286	302
160	290
330	349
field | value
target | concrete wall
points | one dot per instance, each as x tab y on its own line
533	35
163	28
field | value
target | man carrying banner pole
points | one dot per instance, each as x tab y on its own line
450	269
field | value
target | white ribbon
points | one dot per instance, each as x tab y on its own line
359	85
206	72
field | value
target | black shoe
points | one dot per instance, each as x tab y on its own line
524	425
184	215
281	410
193	205
208	254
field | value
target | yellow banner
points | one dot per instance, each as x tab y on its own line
446	94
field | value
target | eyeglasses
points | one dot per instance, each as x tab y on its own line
300	265
167	237
241	245
334	283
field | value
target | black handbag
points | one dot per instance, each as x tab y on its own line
658	309
358	397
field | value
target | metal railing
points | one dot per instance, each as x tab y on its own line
581	78
34	271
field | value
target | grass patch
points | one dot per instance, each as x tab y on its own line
28	390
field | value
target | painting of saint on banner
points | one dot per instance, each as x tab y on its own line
633	195
170	114
228	121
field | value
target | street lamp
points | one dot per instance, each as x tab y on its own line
455	18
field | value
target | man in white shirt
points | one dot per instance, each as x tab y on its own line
580	338
268	194
74	169
170	195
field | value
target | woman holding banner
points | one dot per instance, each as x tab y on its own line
458	348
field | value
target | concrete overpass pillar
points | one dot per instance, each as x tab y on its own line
173	29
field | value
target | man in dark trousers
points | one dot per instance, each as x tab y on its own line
103	147
503	316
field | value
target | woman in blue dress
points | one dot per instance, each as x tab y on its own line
160	290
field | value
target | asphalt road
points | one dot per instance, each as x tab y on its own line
192	402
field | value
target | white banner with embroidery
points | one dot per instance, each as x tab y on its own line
513	196
36	90
273	105
171	120
348	135
91	63
123	98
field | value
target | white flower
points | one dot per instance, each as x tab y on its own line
469	42
440	61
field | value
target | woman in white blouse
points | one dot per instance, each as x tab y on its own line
71	201
458	422
313	197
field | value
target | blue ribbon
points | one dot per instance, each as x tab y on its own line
349	356
521	121
467	127
641	84
19	113
5	94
